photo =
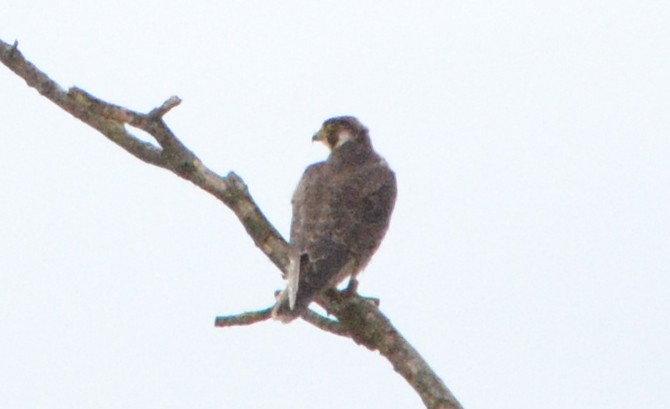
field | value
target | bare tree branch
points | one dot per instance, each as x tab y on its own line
245	318
357	317
326	324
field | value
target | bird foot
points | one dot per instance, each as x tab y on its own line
352	291
352	288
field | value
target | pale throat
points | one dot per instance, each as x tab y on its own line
342	138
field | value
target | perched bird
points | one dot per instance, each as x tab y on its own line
341	211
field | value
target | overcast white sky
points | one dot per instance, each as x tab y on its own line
528	258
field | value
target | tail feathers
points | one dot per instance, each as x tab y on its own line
285	312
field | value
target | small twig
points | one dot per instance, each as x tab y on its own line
325	323
245	318
253	317
170	103
14	48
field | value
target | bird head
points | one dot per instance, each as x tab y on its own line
340	130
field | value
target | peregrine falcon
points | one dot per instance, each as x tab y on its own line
341	211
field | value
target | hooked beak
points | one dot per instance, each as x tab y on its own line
319	136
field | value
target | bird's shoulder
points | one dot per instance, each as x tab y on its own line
313	177
369	177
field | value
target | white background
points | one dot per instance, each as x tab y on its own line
527	258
